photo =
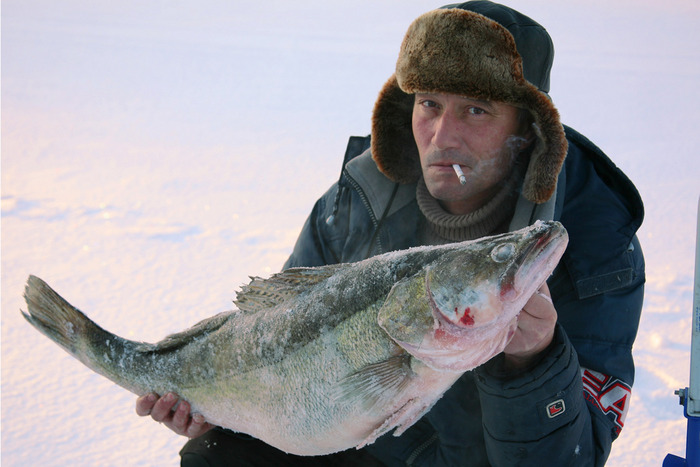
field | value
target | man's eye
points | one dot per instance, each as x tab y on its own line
476	111
428	103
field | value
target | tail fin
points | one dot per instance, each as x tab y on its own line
100	350
55	317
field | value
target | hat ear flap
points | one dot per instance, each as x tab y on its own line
549	151
393	146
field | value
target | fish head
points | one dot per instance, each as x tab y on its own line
461	309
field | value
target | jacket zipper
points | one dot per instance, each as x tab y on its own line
420	449
365	202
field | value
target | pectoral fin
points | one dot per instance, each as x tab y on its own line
376	383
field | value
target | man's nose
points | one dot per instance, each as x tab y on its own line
446	132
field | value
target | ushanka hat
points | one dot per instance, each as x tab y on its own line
481	50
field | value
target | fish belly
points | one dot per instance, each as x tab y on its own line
298	404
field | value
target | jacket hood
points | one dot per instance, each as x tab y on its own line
458	51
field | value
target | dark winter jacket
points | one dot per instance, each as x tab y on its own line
569	407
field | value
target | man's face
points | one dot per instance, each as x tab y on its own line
483	137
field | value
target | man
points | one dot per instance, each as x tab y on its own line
470	89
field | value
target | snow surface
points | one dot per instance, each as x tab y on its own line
156	153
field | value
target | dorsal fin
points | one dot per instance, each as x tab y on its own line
261	293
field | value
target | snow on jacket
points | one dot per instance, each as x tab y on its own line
569	406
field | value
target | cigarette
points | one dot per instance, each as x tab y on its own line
460	174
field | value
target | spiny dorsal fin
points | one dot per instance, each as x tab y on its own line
260	293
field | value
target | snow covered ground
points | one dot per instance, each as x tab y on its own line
156	153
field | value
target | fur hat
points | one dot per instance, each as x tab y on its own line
463	52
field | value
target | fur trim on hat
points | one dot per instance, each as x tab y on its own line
393	146
461	52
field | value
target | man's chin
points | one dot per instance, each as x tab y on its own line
447	190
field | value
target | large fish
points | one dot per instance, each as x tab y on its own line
318	360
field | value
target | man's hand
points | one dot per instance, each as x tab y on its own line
179	420
535	330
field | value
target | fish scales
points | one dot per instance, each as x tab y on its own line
317	360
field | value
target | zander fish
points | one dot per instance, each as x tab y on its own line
318	360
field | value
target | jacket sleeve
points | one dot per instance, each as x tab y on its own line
540	414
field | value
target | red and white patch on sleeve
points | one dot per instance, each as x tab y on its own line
611	395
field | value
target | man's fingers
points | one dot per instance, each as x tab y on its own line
163	406
144	404
540	304
181	418
535	329
198	426
543	293
173	413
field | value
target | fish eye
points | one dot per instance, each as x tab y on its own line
503	253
